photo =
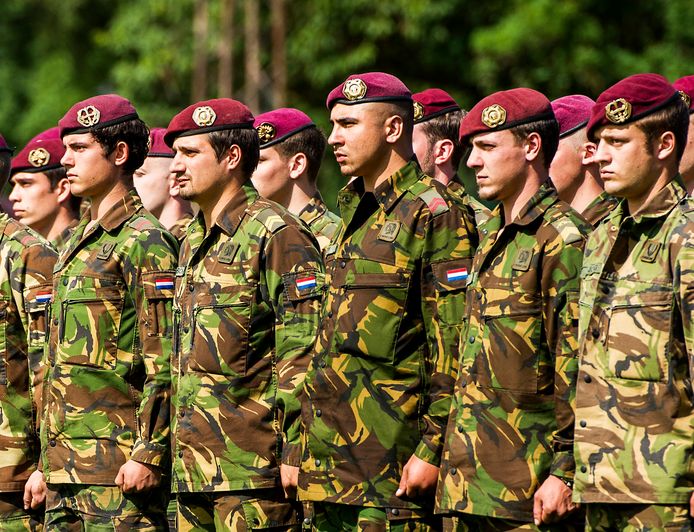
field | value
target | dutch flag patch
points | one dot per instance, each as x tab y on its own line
306	282
44	297
164	283
459	274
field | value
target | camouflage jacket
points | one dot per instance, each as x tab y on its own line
480	211
634	406
322	223
178	230
511	422
598	209
378	388
247	300
26	268
60	241
106	395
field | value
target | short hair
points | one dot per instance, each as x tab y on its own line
549	136
312	143
134	133
5	166
406	111
446	127
244	138
54	175
673	117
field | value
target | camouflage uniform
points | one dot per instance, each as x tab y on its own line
322	223
60	241
247	299
634	413
26	268
178	229
511	422
378	388
598	209
108	353
479	209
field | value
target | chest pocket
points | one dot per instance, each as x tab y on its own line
89	326
450	280
221	323
639	335
370	314
38	299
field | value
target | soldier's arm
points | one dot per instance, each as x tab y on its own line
294	278
149	275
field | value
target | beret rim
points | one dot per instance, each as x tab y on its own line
369	100
79	130
444	111
157	154
509	125
277	140
573	130
7	149
170	137
34	169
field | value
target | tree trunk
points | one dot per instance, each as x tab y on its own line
225	72
279	61
200	26
252	38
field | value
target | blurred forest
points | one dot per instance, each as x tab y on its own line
165	54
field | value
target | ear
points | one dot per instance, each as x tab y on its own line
443	151
62	187
533	146
297	164
174	187
587	153
232	159
394	128
120	153
666	145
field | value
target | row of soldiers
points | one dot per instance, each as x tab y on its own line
421	363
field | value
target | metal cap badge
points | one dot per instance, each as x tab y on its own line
39	157
418	110
204	116
618	111
266	132
354	89
493	116
88	116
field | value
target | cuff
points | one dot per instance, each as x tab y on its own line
149	453
291	454
424	452
563	465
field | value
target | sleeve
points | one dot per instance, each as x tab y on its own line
149	275
450	240
295	280
684	285
560	291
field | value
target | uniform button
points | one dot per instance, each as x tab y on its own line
583	469
471	340
485	231
343	264
180	454
330	314
322	363
55	321
52	443
395	511
453	471
479	295
596	333
65	281
583	423
605	289
182	413
191	287
317	462
307	520
319	413
186	329
460	428
587	379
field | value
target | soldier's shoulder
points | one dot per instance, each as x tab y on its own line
567	223
433	196
21	234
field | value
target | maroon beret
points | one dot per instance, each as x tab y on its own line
41	153
157	146
504	110
208	116
4	146
572	113
631	99
431	103
275	126
369	87
685	86
96	113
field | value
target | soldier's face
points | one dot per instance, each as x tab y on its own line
34	202
271	176
500	165
423	149
628	163
151	181
358	138
90	171
200	176
687	161
566	167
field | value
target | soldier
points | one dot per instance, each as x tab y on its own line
507	461
156	185
633	399
247	298
378	388
435	142
574	173
686	87
26	266
41	195
105	427
291	151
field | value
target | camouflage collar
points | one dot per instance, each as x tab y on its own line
314	209
392	189
59	241
233	211
118	213
545	197
599	208
663	202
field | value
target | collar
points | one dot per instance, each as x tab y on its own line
662	203
119	213
314	209
234	211
545	197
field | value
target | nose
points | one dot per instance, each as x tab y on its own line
601	154
177	166
14	195
474	160
66	160
335	138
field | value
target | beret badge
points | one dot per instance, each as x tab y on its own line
493	116
685	98
88	116
204	116
266	132
618	111
418	111
39	157
354	89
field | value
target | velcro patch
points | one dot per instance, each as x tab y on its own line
650	251
389	231
163	283
106	250
523	260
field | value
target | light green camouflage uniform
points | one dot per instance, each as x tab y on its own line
378	388
107	386
26	268
634	414
322	223
511	422
247	300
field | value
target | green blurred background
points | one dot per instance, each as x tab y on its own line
166	54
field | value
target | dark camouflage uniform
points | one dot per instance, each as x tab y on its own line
322	223
247	300
26	269
179	229
598	209
480	211
60	241
634	414
379	385
511	423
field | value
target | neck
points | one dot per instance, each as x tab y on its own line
62	221
514	204
391	164
443	173
102	203
637	203
211	210
174	209
589	189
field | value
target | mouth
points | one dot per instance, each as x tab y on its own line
340	157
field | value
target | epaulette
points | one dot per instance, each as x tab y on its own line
272	221
565	226
434	201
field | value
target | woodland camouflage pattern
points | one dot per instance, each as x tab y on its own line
511	422
322	223
26	268
480	211
634	413
247	301
598	209
109	346
178	229
378	389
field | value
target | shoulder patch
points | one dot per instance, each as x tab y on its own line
566	227
435	202
141	224
272	221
